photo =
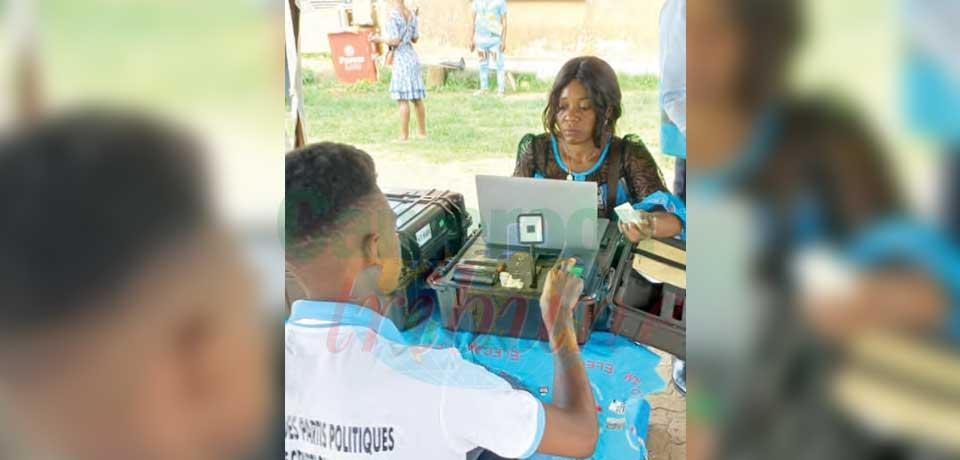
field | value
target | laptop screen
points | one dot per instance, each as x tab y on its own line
569	210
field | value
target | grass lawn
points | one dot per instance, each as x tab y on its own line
461	127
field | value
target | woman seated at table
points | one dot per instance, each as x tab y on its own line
580	144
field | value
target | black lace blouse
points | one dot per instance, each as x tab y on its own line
639	174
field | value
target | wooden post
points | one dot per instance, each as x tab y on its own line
27	81
29	105
436	76
299	138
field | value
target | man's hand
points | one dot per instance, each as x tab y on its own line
561	292
571	417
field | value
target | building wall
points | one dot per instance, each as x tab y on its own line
314	27
535	29
553	26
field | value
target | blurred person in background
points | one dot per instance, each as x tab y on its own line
673	111
775	175
673	89
580	144
128	321
406	81
489	39
931	76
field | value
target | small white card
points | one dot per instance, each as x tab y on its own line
626	213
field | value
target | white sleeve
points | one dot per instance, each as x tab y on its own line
506	421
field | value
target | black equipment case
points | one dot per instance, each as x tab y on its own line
471	297
647	312
432	226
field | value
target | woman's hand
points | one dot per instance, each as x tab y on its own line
902	300
473	44
643	229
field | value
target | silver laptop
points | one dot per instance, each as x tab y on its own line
569	210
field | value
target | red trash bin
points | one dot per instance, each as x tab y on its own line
352	59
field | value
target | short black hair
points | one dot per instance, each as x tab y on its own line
770	32
84	198
325	182
602	87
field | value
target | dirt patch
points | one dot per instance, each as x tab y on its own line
404	171
396	171
667	433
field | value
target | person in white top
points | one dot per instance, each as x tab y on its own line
673	89
354	389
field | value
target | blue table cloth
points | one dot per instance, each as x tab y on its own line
621	372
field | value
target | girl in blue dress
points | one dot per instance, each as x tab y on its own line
406	85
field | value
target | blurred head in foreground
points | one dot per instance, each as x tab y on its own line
740	50
797	183
127	321
341	240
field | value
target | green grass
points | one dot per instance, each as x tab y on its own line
460	126
458	81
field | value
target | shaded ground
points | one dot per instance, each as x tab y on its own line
667	435
402	170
